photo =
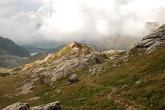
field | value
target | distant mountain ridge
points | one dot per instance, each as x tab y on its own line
8	47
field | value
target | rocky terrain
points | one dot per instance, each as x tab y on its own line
82	78
73	57
152	41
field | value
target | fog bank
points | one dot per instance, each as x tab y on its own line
29	21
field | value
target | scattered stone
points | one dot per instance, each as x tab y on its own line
34	98
124	87
138	82
15	76
39	70
25	89
75	46
73	78
58	91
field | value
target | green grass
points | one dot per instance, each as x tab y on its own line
91	92
64	51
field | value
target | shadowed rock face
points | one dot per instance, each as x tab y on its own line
151	42
25	106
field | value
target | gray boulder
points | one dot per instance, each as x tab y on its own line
50	106
73	78
25	106
18	106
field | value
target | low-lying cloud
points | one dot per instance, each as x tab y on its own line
26	21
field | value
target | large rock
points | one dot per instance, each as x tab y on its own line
75	46
73	78
25	106
50	106
18	106
151	42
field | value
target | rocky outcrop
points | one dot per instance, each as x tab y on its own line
64	66
72	58
26	106
151	42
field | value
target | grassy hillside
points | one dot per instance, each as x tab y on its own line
139	83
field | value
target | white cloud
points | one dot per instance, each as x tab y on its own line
29	20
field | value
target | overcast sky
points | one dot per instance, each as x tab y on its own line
31	20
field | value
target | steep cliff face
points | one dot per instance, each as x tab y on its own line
8	47
151	42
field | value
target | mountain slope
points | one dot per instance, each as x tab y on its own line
105	82
8	47
135	85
